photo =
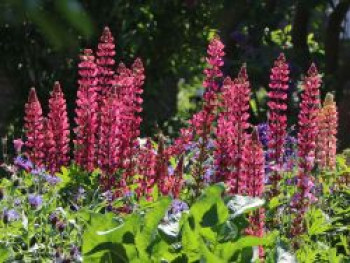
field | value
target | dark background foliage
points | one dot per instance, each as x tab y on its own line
40	41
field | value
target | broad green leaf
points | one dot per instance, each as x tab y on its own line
150	225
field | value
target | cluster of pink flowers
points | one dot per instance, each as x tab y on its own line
277	120
232	132
107	131
86	113
307	136
47	139
58	125
33	125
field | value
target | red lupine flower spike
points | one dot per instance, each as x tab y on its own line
109	140
277	120
146	169
86	113
33	125
49	144
58	122
105	61
307	136
327	140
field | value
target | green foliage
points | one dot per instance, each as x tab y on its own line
206	232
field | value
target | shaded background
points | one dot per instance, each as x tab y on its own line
40	41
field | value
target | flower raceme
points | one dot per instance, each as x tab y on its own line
86	111
105	61
326	140
33	125
277	120
308	131
107	131
59	126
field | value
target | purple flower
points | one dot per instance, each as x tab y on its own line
10	215
80	194
52	180
38	171
108	195
17	202
263	133
170	170
53	218
23	163
35	200
75	253
178	206
208	175
60	226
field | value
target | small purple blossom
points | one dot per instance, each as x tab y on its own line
10	215
170	170
52	180
75	253
208	175
35	201
108	195
53	218
178	206
23	163
17	202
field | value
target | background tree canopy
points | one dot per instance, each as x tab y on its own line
41	40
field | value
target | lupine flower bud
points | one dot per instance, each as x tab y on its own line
327	140
59	124
33	125
86	113
308	130
277	120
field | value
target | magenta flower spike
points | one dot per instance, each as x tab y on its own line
146	169
277	120
109	141
33	125
308	131
86	111
238	116
58	122
105	61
